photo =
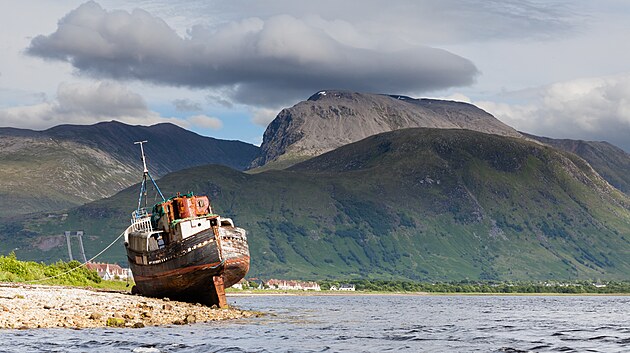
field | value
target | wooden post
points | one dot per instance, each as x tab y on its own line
219	292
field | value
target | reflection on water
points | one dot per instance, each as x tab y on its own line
395	323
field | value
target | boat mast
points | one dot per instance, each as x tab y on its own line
145	174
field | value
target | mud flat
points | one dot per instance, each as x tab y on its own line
38	306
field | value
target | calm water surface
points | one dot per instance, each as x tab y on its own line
370	324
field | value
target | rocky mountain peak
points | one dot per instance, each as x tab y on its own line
332	118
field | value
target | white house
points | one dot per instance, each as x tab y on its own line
344	287
109	272
292	285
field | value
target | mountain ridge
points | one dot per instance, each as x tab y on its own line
610	161
330	119
72	164
432	204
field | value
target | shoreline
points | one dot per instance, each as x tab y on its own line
420	294
25	306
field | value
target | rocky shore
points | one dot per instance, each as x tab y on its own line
36	306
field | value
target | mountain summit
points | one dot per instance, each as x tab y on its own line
331	119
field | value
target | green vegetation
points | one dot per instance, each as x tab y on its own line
422	205
574	287
60	273
69	165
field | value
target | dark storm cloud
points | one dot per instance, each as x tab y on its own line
262	62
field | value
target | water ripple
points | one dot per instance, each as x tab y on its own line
370	324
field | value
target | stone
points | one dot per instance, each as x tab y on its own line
95	316
92	308
115	322
128	316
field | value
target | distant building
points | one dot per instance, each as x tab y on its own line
240	284
109	272
292	285
344	287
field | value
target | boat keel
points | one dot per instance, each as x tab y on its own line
218	292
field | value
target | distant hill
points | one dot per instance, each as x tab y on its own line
421	204
331	119
69	165
610	161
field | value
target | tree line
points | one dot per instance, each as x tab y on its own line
498	287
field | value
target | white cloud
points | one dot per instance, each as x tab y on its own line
589	108
263	116
204	121
88	103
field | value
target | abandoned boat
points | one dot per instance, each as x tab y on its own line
181	250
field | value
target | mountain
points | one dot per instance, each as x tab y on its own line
420	204
69	165
611	162
330	119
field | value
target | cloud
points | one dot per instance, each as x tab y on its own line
589	108
205	121
262	62
186	105
81	104
216	99
411	21
263	116
89	103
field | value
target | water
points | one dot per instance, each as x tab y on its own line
370	324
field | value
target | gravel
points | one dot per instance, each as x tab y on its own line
37	306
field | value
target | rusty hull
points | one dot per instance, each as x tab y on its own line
196	269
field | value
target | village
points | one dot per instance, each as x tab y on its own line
113	272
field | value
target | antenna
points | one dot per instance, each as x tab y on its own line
144	161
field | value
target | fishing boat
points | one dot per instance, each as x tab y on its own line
181	250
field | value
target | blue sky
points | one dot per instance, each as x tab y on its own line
226	68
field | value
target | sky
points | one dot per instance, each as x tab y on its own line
226	68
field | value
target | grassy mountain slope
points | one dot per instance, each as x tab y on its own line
423	204
69	165
611	162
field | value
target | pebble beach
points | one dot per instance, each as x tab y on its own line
38	306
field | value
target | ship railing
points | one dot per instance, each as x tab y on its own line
140	213
141	221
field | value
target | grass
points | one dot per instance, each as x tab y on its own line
60	273
503	210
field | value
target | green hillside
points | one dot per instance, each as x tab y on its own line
611	162
421	204
69	165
